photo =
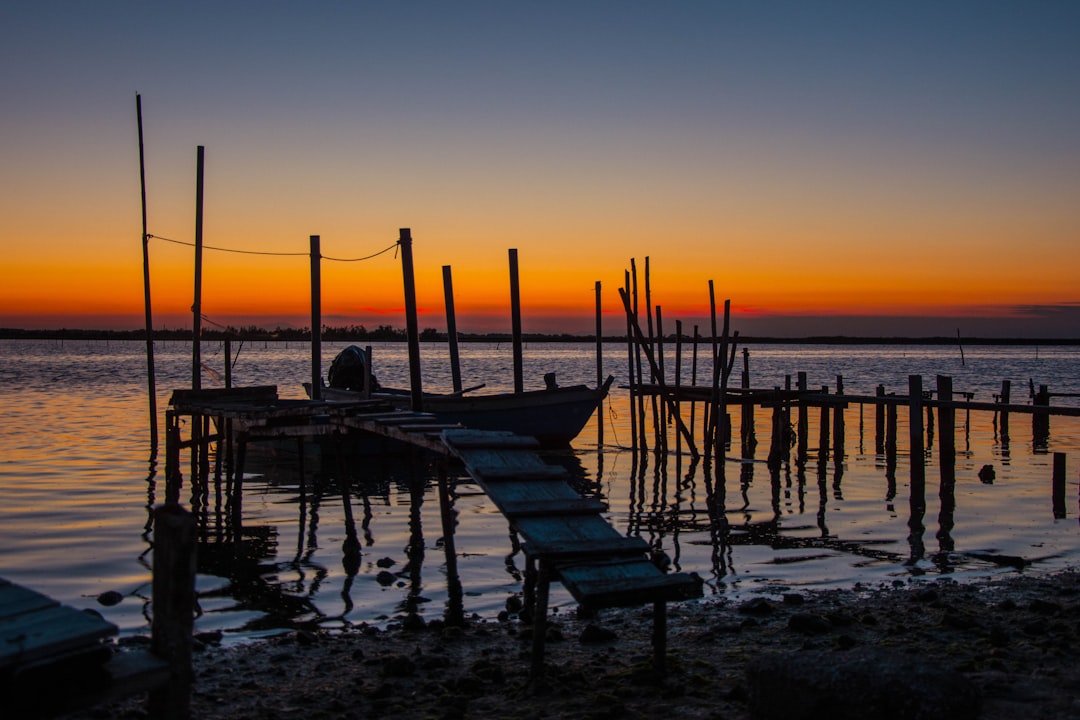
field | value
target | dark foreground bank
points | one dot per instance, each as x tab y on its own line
1001	649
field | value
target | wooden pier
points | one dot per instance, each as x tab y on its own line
55	659
565	538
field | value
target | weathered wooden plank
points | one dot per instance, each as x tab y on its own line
530	490
468	439
17	600
536	508
256	393
627	584
50	631
557	548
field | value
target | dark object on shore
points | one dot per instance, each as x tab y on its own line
865	683
349	370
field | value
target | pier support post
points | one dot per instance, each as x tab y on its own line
412	327
515	323
1059	486
316	320
173	609
451	328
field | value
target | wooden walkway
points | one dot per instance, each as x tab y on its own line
565	535
54	658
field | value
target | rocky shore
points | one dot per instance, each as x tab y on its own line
997	649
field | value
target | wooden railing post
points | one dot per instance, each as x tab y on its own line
173	609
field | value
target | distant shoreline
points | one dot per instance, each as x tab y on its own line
383	334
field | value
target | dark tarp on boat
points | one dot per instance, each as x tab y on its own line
348	370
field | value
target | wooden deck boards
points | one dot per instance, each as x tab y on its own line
563	532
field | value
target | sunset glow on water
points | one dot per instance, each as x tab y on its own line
77	480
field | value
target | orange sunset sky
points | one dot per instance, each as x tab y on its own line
834	167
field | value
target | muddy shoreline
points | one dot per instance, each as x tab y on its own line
1012	640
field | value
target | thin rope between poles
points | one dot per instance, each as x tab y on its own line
277	254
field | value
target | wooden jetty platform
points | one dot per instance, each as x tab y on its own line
565	537
55	659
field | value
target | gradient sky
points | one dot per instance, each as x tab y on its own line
857	168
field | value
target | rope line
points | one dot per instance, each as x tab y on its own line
277	254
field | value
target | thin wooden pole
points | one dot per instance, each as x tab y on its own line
151	374
196	307
515	323
451	327
412	325
665	394
316	319
599	366
630	352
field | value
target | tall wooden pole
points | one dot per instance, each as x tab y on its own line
196	307
151	375
316	319
451	327
599	366
412	325
515	319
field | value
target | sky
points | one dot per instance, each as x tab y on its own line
833	168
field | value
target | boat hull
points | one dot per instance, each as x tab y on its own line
554	416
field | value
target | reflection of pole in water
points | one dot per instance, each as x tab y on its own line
455	601
947	461
918	469
151	488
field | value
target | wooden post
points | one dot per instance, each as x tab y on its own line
451	327
1059	485
515	323
599	366
638	376
151	375
915	429
678	379
879	421
917	502
1006	398
748	438
411	322
316	319
1040	419
660	414
839	427
693	377
803	429
946	421
173	609
630	366
228	363
196	307
823	432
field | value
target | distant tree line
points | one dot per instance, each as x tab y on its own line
387	333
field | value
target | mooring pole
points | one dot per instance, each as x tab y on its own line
316	319
196	307
599	367
451	327
151	375
411	323
515	322
174	609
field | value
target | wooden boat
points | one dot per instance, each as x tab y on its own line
554	415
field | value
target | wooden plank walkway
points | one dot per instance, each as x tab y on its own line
54	658
565	536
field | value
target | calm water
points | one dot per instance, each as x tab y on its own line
77	481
